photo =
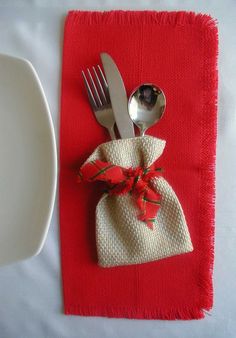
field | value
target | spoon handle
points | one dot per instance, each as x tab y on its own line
142	131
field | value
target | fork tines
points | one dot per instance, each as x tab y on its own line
97	87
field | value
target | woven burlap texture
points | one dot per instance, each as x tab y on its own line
121	238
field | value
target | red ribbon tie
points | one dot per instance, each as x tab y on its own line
135	181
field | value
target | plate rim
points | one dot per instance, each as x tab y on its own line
54	161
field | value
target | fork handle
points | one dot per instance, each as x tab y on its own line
112	133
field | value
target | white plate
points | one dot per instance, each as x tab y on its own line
28	161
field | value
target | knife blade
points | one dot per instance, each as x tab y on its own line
118	97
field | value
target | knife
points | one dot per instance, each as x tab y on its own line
118	97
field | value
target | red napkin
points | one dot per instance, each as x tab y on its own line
177	51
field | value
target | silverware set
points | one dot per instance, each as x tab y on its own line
108	100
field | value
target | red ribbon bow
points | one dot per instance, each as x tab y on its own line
121	181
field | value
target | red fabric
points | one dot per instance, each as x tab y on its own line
121	181
178	52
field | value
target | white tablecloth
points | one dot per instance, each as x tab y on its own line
30	291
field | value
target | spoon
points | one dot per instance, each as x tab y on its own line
146	106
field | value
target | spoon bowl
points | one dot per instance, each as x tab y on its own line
146	106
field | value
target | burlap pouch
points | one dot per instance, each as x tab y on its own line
123	239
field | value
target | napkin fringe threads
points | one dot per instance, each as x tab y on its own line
183	313
143	17
208	162
207	168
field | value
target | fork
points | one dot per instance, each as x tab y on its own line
99	98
